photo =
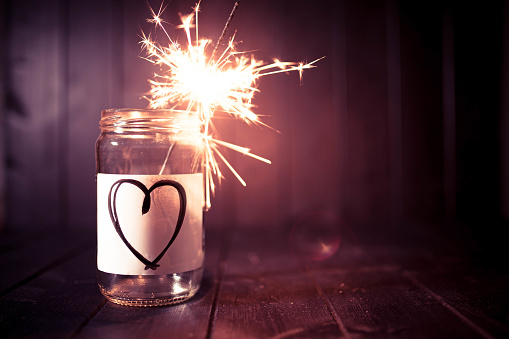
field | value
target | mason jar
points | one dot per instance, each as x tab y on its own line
150	202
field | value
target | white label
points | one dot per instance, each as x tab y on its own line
149	224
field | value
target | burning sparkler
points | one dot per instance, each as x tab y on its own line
205	85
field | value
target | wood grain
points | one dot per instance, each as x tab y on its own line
477	295
90	41
3	42
54	304
265	293
33	94
257	284
422	120
31	255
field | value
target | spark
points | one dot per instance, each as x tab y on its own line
206	85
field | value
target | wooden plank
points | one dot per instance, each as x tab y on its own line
257	288
449	116
367	106
422	139
3	42
266	199
478	112
36	253
90	91
394	118
504	117
340	85
479	297
56	303
135	70
378	301
416	285
313	145
265	293
14	240
189	319
33	94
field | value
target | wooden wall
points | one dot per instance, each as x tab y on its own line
404	122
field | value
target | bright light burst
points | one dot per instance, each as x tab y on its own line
206	85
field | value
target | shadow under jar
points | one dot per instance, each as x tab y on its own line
150	200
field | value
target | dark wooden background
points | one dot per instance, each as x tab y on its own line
403	126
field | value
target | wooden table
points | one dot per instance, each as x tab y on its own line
255	286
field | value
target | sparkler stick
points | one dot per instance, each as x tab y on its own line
224	30
166	159
205	85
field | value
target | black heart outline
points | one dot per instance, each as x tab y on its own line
112	208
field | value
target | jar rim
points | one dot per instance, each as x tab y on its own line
136	112
148	118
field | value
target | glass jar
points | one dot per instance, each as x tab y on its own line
150	200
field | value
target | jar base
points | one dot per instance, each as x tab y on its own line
149	290
147	302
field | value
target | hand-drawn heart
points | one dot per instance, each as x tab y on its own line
145	208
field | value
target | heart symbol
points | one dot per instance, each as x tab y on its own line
112	207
